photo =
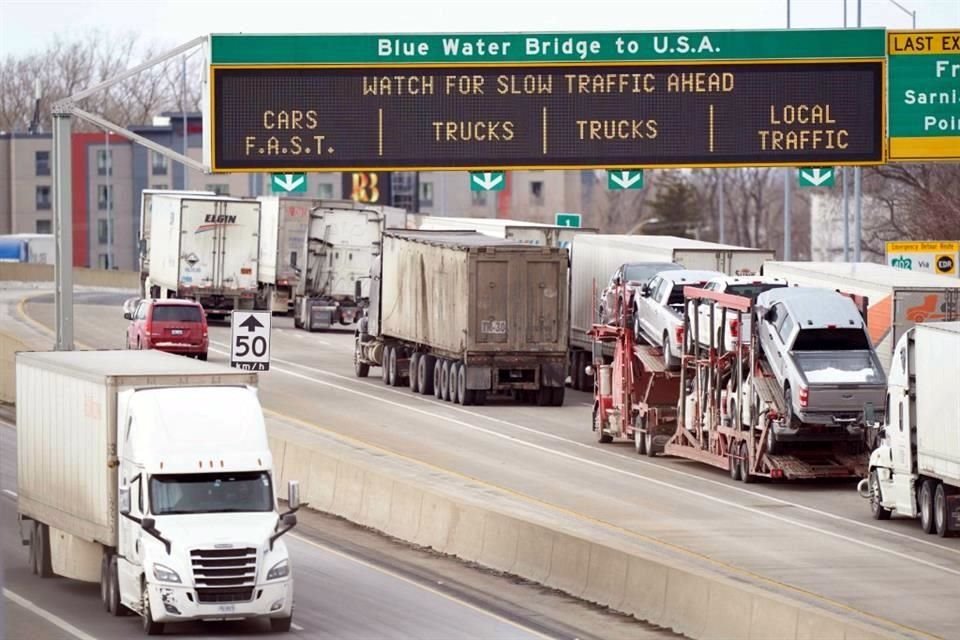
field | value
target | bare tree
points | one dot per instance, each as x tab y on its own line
68	66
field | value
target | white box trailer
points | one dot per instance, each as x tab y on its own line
595	258
915	471
283	230
32	248
521	231
146	220
205	248
896	299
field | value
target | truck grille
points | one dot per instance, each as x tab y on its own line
224	575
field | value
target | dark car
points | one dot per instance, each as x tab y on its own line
174	326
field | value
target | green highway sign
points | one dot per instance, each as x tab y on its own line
567	220
487	181
361	49
624	179
493	102
288	183
817	177
924	95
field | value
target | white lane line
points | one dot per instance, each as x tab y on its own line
629	459
599	465
295	626
419	585
46	615
12	494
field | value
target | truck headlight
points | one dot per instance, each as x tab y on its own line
279	570
165	574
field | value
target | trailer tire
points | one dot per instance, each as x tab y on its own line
876	508
927	522
384	369
745	476
445	380
556	396
639	443
544	396
438	378
735	468
602	437
414	372
464	395
940	515
425	367
40	550
648	444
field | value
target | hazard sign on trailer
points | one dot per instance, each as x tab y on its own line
250	340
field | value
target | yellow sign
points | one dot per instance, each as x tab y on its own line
923	42
931	247
938	257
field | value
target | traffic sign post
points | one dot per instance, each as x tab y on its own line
567	220
624	179
250	340
487	181
490	102
924	71
288	183
817	177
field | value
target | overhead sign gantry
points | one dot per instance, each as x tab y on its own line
295	103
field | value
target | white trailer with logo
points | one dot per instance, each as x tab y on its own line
146	220
205	248
896	299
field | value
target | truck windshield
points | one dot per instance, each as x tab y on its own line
210	493
835	339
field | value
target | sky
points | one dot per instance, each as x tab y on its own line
26	26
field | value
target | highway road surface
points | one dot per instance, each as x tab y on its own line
813	540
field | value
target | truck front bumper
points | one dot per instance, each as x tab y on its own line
174	603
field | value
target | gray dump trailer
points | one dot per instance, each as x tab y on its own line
460	315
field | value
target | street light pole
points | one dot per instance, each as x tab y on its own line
787	172
109	171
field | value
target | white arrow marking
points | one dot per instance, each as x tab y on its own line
625	180
489	180
288	182
817	178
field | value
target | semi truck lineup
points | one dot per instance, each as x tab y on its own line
774	370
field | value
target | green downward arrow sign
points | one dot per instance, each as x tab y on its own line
817	177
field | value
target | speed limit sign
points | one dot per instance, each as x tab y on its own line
250	340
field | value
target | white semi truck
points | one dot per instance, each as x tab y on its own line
915	472
151	474
146	220
204	248
283	230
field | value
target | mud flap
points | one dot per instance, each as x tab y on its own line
553	374
953	513
480	378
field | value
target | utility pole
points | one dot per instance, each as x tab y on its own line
62	230
723	221
858	179
787	175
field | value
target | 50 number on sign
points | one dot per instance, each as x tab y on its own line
250	340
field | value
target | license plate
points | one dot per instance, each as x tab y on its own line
227	608
177	332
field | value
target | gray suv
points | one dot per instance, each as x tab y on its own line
816	344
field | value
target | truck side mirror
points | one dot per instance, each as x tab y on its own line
148	524
289	520
127	315
293	495
123	498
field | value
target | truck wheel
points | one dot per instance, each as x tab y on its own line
360	368
150	627
940	515
745	476
393	374
639	443
876	505
544	396
414	371
105	580
480	397
438	379
649	445
445	380
113	590
281	625
425	368
384	367
464	395
927	522
454	383
602	436
556	396
40	550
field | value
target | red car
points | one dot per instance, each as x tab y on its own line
175	326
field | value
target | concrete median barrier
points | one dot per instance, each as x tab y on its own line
614	568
